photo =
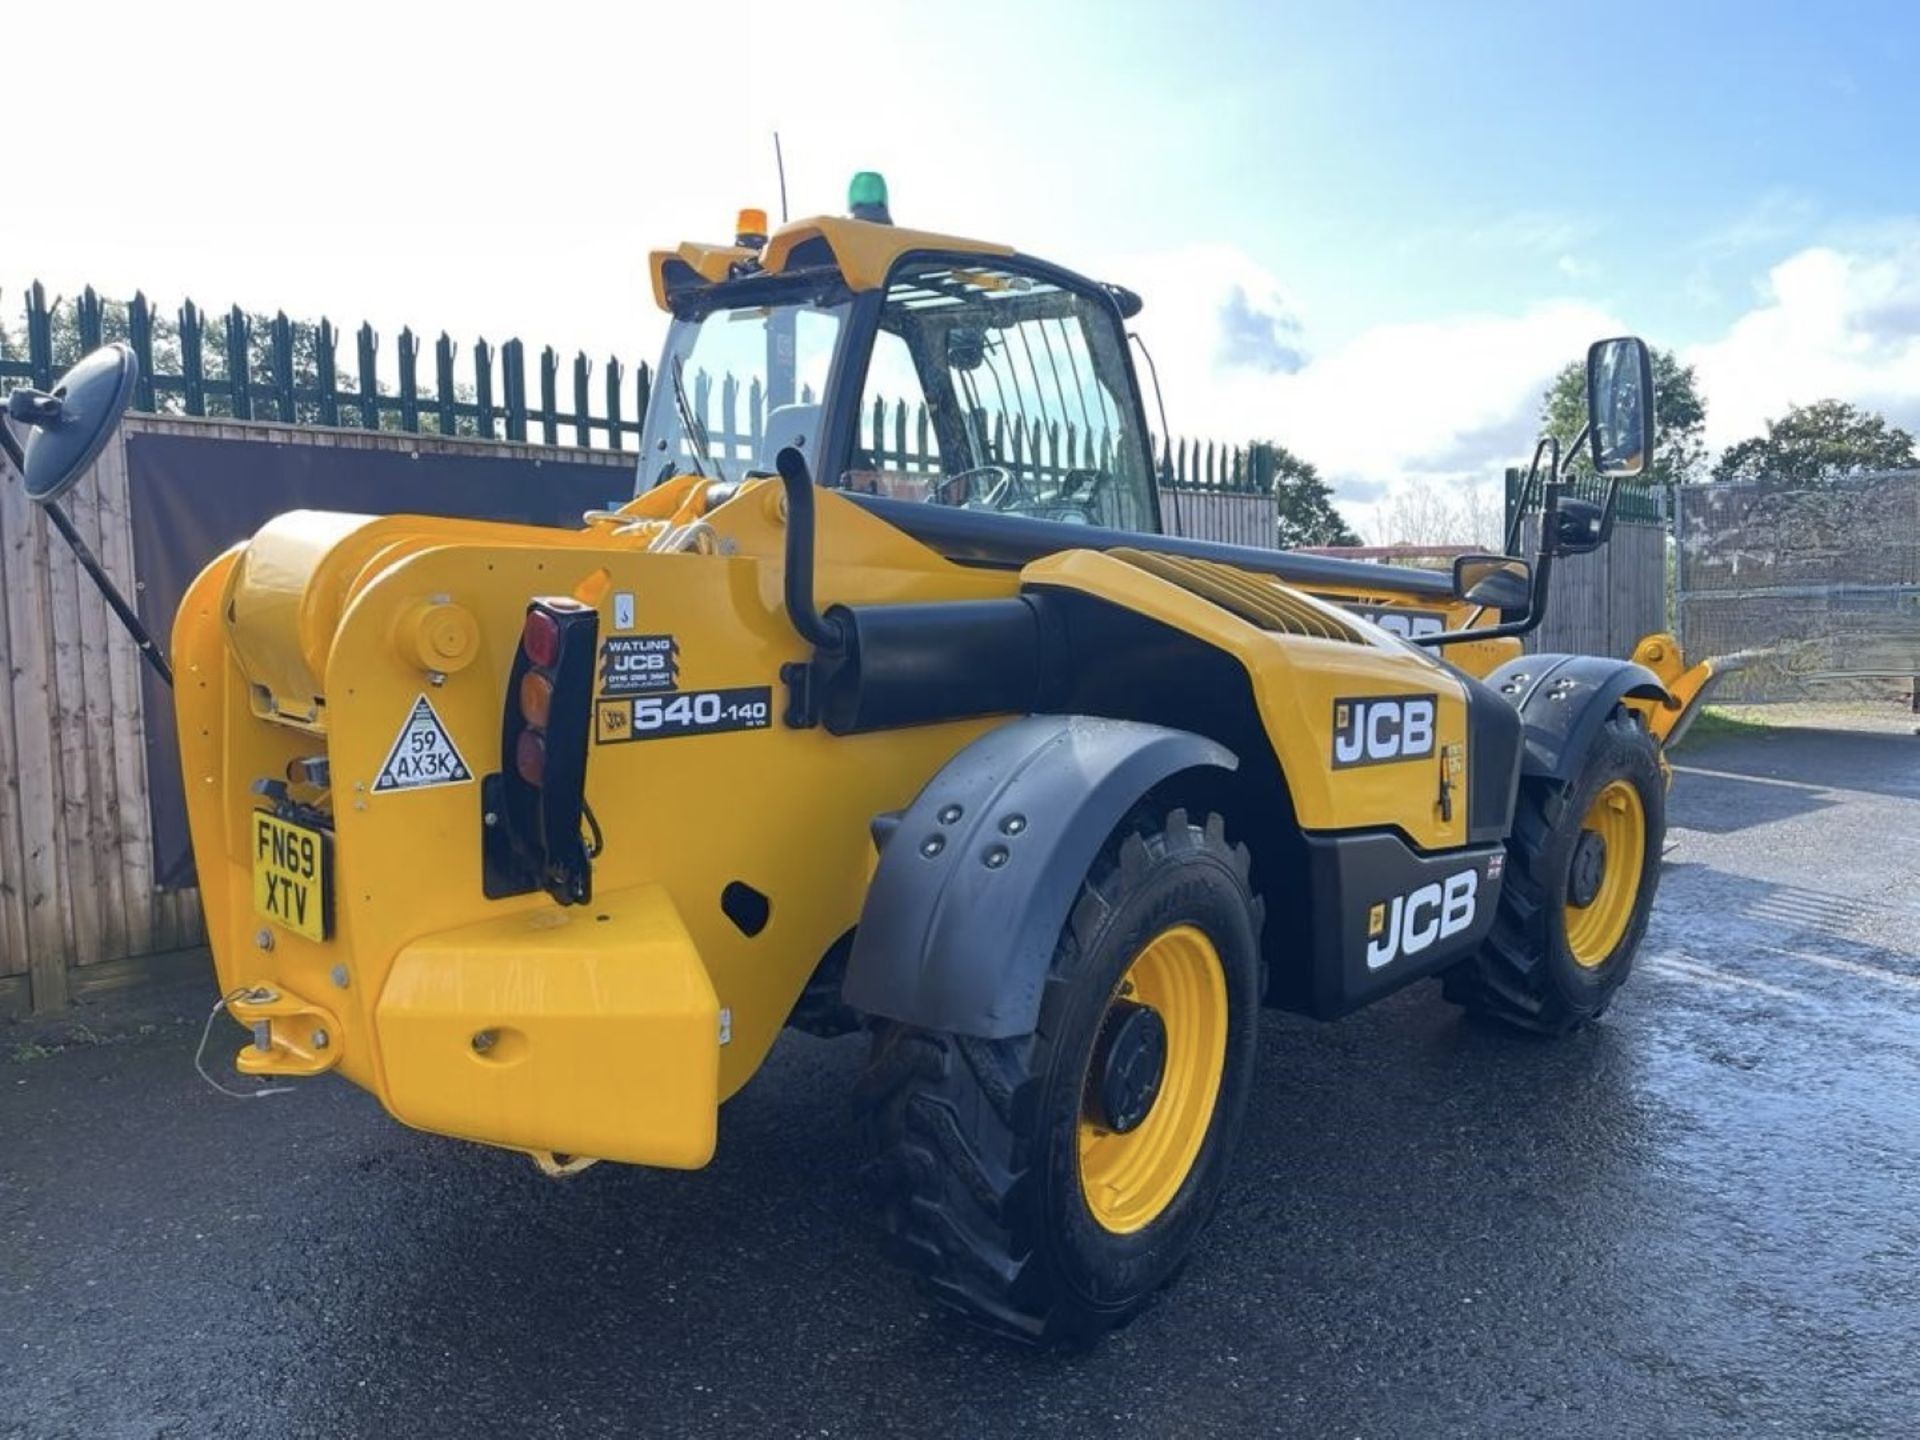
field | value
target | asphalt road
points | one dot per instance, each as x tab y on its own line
1702	1217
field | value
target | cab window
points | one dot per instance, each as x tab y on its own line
994	390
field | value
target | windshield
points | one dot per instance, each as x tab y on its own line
736	385
992	389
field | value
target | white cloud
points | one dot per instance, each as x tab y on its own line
1437	403
1446	404
1833	323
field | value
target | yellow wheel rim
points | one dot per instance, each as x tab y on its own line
1595	929
1129	1179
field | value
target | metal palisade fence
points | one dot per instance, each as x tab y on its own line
243	366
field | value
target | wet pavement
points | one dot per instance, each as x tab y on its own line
1701	1217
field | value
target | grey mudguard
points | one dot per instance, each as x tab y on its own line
976	880
1563	701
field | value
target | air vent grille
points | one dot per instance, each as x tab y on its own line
1254	598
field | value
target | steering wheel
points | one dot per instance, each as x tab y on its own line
999	488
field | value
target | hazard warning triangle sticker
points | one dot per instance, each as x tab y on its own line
423	755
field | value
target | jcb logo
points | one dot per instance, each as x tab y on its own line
1407	624
1379	728
1408	924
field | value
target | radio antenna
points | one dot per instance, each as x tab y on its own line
780	164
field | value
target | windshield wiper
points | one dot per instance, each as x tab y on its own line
695	431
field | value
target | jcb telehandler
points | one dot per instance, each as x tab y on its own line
542	835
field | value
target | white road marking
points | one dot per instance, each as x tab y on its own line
1763	780
1848	967
1693	970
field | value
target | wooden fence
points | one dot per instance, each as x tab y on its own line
1603	603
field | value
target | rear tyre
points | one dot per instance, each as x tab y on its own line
1047	1186
1583	863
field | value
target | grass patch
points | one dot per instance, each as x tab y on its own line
1721	722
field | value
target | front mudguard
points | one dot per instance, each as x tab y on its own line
976	878
1563	701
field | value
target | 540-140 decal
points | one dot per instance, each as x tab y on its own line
618	719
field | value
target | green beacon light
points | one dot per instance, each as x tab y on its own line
867	198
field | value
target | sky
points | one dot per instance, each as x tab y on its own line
1371	231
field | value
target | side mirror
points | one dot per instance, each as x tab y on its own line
72	423
1579	527
1497	582
1620	405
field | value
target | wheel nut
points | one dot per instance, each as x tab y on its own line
1013	824
932	845
483	1040
995	857
950	814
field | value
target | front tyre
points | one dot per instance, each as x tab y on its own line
1048	1185
1583	864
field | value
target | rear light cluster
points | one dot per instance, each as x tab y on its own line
543	745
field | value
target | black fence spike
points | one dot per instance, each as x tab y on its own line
368	345
614	374
40	336
239	365
582	420
324	342
443	385
409	356
140	336
283	369
483	388
513	378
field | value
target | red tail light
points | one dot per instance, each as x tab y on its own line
536	803
530	757
540	639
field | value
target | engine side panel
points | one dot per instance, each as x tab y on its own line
1368	732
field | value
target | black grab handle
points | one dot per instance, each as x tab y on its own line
821	631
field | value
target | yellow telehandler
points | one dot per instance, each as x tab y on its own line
542	836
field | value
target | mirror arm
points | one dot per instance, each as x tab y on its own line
1606	514
1565	458
139	632
1545	445
1536	607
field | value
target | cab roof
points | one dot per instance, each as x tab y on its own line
862	251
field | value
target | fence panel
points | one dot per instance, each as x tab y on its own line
1818	586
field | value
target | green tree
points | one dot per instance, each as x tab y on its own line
1680	415
1813	444
1303	501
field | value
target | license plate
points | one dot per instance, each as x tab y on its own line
290	875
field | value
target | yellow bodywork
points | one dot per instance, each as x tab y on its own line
1686	684
864	252
615	1029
